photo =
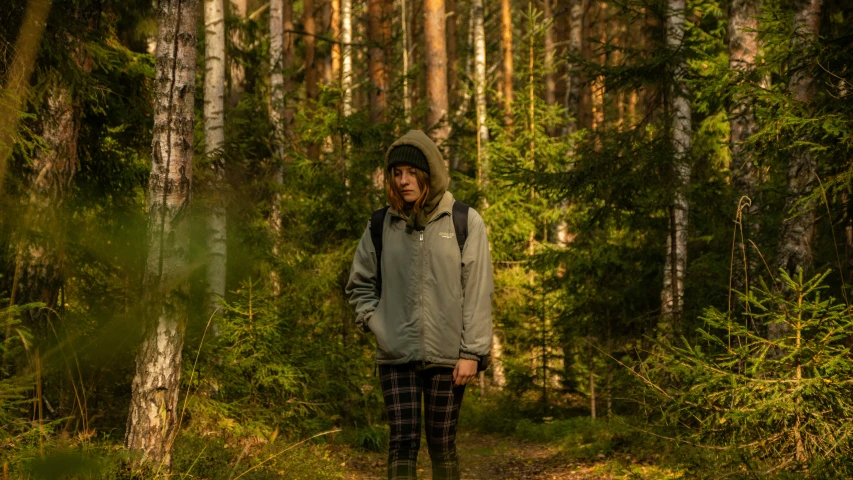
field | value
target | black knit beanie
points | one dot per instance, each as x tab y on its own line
408	155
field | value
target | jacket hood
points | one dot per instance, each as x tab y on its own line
439	179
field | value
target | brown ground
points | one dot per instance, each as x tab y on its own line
490	457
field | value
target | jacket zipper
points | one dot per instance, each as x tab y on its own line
421	300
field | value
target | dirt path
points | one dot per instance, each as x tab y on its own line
490	457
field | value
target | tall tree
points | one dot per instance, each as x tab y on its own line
281	11
214	140
573	80
39	262
336	35
480	95
452	23
346	56
506	44
312	91
675	264
378	32
743	48
407	98
152	419
550	82
435	60
237	78
18	76
797	234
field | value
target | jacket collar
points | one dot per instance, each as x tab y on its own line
445	206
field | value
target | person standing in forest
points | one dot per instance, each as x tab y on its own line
421	282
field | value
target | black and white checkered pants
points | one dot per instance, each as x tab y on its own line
402	387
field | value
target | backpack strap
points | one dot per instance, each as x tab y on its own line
460	223
377	221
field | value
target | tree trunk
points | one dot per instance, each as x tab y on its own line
238	73
346	56
18	77
278	10
39	266
152	419
336	35
312	91
550	83
435	59
480	89
377	34
676	242
506	43
407	98
743	47
573	80
597	89
214	139
452	7
797	235
498	375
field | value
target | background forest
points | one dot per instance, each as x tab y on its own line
666	183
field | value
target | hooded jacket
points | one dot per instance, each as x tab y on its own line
436	305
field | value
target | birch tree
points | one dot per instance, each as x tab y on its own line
152	420
480	95
676	242
214	139
435	60
743	48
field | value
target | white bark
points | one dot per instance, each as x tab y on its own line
676	245
346	56
498	375
480	88
214	140
153	417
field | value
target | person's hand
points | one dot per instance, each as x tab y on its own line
465	371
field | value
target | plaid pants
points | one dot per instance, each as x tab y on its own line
402	387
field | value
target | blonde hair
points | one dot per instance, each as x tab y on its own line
395	198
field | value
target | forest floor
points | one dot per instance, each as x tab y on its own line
484	456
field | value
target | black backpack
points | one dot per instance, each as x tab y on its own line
377	221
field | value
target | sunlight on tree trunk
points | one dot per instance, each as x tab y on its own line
346	56
506	44
573	81
18	77
435	59
153	417
480	87
312	91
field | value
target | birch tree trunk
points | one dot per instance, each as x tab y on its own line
214	139
506	43
743	47
152	419
480	97
277	92
377	34
797	235
435	60
676	242
346	56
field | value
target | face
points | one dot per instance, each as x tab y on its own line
407	183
